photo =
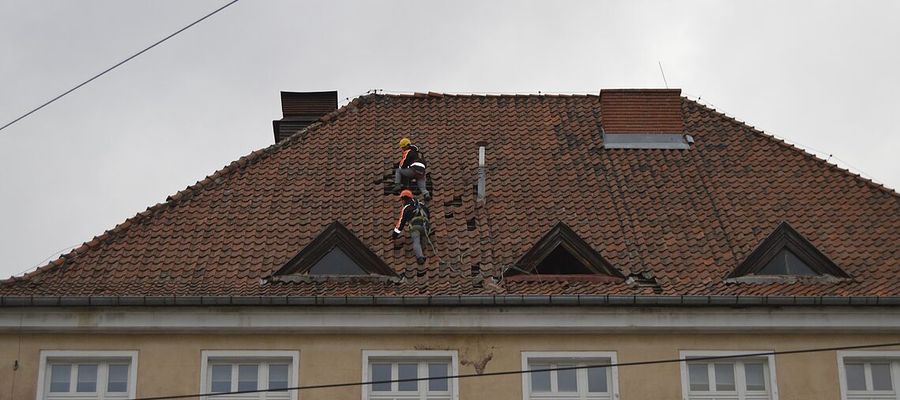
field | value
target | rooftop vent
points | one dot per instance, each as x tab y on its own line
301	109
642	119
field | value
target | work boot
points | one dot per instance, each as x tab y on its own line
396	189
420	260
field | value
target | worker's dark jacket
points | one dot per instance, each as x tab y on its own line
411	159
408	214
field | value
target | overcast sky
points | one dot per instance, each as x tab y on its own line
821	74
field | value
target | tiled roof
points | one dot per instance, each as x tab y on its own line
686	217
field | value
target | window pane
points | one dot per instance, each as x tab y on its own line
87	378
408	371
755	378
565	380
724	377
381	372
336	262
59	377
247	377
797	267
221	378
278	376
540	381
118	378
856	376
699	378
597	380
437	371
881	377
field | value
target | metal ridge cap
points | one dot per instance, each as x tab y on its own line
448	300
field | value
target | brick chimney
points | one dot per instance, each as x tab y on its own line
302	109
642	119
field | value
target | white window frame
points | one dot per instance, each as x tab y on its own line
688	354
399	355
293	376
864	356
43	372
573	356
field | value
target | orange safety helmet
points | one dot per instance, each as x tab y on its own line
406	194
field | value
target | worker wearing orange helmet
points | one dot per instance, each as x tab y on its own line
414	214
411	165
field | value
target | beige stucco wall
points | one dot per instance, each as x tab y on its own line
170	364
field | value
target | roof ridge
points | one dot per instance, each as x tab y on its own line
184	195
485	94
802	151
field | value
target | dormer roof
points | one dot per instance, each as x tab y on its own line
335	252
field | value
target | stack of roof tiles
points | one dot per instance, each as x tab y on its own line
685	217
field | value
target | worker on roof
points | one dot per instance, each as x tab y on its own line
415	214
411	165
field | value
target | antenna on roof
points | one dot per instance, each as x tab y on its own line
662	73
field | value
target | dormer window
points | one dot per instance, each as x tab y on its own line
785	253
336	262
786	263
562	255
335	252
560	261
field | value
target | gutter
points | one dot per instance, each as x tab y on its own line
442	301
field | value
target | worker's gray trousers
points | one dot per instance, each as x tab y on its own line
416	237
400	173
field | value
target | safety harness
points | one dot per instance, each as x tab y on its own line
419	221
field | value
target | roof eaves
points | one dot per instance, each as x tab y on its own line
439	301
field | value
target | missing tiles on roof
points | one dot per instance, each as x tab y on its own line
470	224
456	201
475	270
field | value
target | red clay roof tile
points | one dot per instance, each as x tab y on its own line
688	217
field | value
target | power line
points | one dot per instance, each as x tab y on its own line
519	372
118	64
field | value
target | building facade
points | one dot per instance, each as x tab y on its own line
629	245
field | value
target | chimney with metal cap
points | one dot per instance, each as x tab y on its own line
643	119
302	109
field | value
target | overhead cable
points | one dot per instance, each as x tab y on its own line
118	64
